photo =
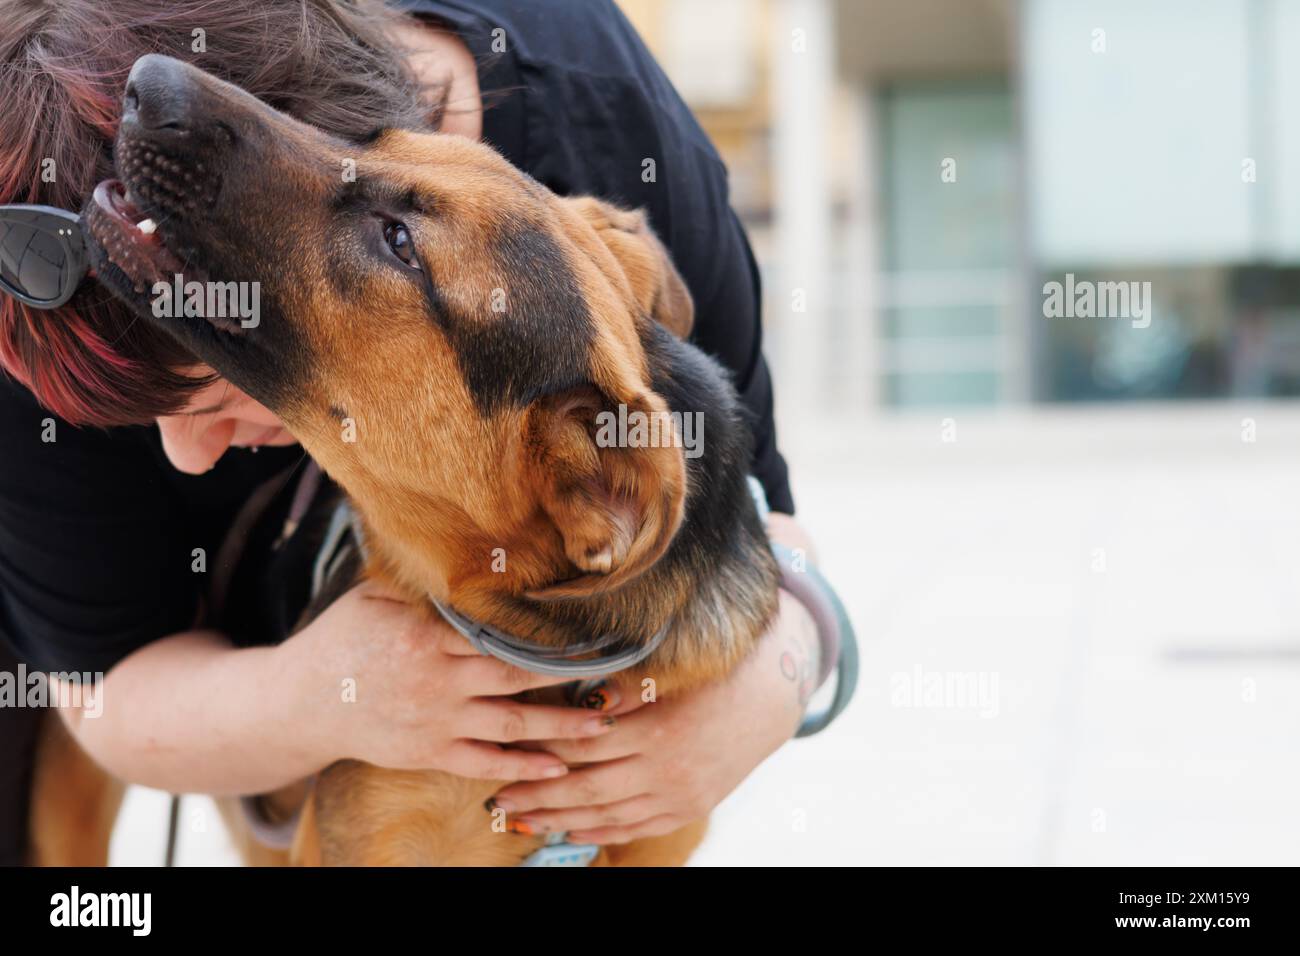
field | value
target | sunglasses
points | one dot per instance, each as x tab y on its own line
42	254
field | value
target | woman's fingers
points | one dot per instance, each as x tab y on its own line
507	721
622	814
480	761
624	742
632	736
592	786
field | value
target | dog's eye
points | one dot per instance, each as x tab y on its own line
399	240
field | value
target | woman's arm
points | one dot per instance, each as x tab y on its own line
183	714
372	678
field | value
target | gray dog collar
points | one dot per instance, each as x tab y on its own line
529	655
555	661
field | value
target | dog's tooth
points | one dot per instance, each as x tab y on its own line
147	226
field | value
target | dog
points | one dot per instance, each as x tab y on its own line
472	327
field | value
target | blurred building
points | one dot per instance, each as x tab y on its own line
914	171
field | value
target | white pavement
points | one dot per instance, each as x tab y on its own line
1081	645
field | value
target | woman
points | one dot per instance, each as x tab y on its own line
100	527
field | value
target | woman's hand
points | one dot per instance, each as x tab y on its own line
381	681
672	761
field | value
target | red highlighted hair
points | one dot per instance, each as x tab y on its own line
63	67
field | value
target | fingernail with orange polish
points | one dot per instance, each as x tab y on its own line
602	698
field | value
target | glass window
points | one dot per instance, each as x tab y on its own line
949	241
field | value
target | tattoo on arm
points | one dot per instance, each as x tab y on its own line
801	662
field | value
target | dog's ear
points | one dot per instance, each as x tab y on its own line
616	507
656	285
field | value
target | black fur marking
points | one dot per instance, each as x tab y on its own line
539	344
720	517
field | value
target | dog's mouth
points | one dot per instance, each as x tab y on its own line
153	224
128	238
131	254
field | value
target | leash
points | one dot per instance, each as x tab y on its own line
839	643
835	633
279	834
223	571
173	825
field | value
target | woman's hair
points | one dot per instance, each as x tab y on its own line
63	67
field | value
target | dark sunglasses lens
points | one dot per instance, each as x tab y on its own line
33	255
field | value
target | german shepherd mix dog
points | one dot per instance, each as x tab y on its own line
475	425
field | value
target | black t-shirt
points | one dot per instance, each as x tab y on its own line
98	533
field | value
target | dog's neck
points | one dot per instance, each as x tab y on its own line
715	586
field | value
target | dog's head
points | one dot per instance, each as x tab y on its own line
438	329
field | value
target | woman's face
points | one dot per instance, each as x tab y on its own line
217	417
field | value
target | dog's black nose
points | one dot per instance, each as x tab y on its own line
159	94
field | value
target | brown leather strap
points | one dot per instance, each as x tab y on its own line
232	546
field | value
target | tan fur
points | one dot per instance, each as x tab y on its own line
74	802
